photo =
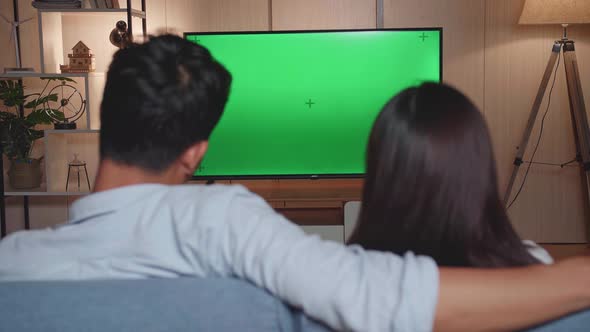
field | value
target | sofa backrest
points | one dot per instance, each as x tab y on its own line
179	304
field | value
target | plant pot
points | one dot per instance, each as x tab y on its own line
25	174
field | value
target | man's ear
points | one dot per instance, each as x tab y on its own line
191	157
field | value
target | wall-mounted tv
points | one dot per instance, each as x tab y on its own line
302	103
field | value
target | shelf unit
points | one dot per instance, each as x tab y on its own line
90	85
65	27
60	147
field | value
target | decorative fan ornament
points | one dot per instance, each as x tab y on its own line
67	109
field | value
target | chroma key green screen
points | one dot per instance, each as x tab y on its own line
302	103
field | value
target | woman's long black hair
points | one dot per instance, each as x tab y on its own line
431	184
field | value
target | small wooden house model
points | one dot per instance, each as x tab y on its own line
81	60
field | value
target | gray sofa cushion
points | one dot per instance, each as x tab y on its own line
182	304
577	322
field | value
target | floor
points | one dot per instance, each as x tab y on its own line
562	251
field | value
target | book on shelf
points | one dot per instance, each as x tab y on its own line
100	4
57	4
114	4
74	4
9	70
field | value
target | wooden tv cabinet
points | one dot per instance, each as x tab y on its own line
307	202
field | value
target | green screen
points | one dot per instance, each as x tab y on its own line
303	103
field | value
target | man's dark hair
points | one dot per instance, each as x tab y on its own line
431	184
160	98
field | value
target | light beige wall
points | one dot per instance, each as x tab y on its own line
7	57
28	38
324	14
486	54
29	35
233	15
463	36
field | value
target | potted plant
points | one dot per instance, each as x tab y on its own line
21	114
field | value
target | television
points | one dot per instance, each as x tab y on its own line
302	103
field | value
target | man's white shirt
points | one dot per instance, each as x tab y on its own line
153	230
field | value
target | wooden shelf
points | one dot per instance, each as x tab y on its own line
44	193
72	11
41	191
49	75
72	131
9	191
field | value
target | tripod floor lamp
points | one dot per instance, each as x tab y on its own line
564	12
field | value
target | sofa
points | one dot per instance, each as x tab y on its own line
149	305
179	304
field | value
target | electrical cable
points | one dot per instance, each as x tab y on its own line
540	134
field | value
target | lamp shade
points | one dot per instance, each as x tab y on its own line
555	12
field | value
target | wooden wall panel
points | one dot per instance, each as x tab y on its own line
463	36
323	14
550	207
233	15
157	17
181	16
223	15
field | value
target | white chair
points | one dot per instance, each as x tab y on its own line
351	215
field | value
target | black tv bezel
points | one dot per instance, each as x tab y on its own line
210	178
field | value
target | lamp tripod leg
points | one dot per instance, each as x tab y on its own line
521	148
579	122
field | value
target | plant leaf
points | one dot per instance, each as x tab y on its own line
41	100
12	93
38	117
17	133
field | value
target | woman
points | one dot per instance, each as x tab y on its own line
431	184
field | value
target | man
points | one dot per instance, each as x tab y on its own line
161	101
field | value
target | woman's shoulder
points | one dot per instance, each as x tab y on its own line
538	252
